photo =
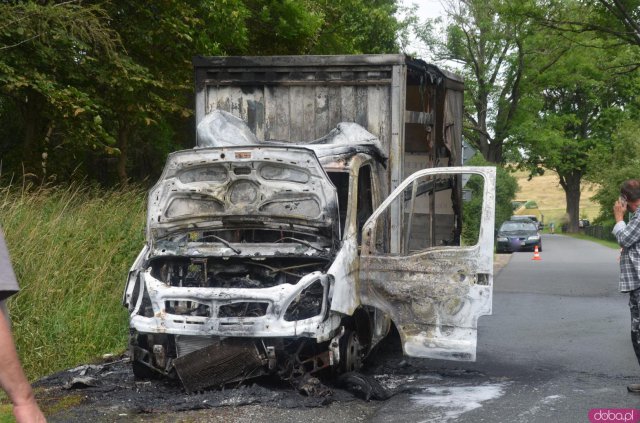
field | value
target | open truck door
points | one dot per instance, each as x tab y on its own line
427	259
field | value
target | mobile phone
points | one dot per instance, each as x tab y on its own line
623	201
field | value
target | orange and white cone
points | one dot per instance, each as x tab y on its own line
536	254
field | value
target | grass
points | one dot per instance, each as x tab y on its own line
610	244
71	249
6	413
549	195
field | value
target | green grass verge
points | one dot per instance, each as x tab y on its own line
71	249
6	414
606	243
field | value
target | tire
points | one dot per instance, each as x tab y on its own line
351	353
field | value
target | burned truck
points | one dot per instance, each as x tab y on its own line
287	242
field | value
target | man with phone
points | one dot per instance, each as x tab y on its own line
12	378
628	236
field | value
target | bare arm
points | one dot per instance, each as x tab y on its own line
13	380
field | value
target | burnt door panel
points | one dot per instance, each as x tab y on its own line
437	280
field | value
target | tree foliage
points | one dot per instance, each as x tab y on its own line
104	89
616	23
613	165
47	57
488	40
358	26
570	111
506	189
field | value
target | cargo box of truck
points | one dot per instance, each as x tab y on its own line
322	204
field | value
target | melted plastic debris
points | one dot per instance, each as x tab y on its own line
363	386
113	387
222	129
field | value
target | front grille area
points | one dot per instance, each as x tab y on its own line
243	309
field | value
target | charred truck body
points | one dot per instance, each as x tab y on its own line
287	241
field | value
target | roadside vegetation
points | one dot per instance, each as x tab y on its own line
506	188
71	248
604	242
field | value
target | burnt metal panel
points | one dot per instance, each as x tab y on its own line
280	127
321	106
396	146
302	112
453	126
299	61
299	98
347	104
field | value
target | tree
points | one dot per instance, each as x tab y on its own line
46	52
612	164
620	18
488	39
81	81
615	22
358	26
149	100
570	112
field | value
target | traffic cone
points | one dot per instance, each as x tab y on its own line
536	254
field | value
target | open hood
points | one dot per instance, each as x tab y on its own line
242	186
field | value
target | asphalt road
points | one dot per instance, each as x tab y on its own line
562	312
556	346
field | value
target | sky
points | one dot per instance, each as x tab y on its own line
426	9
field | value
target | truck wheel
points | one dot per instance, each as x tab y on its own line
351	352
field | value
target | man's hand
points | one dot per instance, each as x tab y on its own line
619	210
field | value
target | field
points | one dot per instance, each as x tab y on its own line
549	195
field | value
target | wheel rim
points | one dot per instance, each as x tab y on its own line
353	353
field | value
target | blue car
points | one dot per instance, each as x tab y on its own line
518	236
